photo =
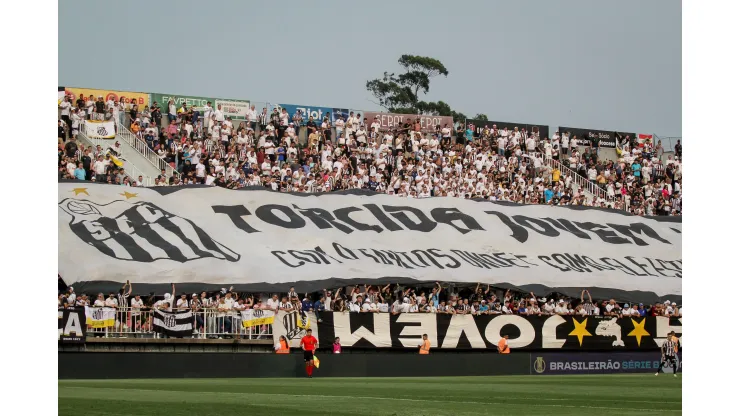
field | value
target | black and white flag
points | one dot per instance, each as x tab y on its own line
177	325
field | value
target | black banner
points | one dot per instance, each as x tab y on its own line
71	323
597	138
529	128
591	333
599	363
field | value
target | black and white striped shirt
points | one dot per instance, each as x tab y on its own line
670	346
660	171
263	118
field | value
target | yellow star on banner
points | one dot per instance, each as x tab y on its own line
639	331
78	191
580	330
128	194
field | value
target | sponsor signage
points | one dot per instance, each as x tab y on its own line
318	113
344	113
479	125
599	363
236	109
71	325
191	101
140	98
591	333
596	138
210	235
390	121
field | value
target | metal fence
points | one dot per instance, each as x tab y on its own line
207	324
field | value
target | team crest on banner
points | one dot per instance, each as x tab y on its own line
141	232
100	129
293	326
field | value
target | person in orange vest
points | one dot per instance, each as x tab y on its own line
283	347
503	345
425	345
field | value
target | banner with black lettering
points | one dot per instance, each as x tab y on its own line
203	237
480	125
173	324
72	328
405	330
596	138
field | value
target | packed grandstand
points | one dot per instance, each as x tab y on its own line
291	153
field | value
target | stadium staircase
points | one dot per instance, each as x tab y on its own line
130	159
590	190
141	155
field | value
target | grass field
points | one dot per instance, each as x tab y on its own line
550	395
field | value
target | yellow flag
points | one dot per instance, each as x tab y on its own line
315	362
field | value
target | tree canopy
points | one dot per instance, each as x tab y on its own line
401	93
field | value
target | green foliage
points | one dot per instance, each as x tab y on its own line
481	117
400	93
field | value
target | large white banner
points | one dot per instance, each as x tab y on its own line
220	237
100	129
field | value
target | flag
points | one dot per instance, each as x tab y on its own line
173	324
256	317
642	138
315	362
100	317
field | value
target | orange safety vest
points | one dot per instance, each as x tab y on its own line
284	348
425	346
503	348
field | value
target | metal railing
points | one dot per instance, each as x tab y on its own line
141	146
129	168
579	180
207	324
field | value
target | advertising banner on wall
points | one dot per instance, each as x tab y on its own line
596	138
344	113
479	125
599	363
318	113
140	98
236	109
389	121
589	333
179	100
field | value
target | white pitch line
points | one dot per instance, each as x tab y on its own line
321	396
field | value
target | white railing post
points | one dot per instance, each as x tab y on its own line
142	147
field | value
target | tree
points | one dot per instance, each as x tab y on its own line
400	93
480	117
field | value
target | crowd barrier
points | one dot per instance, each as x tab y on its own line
135	365
138	323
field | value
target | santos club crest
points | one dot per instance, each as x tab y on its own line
141	232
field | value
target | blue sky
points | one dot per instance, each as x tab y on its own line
593	64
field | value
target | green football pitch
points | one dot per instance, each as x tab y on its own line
550	395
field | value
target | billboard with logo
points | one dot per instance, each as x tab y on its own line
390	121
318	113
599	363
140	98
479	125
190	100
344	113
596	138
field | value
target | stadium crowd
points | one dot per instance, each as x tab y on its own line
392	299
206	147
